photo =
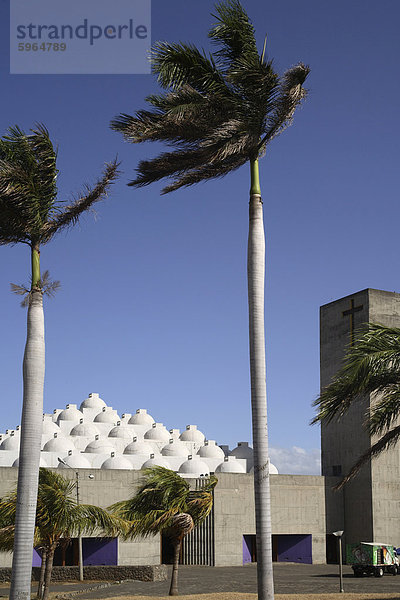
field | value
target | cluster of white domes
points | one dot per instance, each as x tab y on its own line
96	437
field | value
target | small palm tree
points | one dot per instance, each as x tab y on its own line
165	503
31	214
371	366
58	518
218	113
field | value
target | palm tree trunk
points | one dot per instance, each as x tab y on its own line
42	572
31	434
173	590
256	276
49	568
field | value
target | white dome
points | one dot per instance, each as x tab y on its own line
75	461
100	445
70	413
174	448
211	450
157	433
85	429
93	401
156	461
121	431
139	447
43	462
141	417
49	426
107	415
58	444
117	462
11	442
192	434
230	465
242	450
194	467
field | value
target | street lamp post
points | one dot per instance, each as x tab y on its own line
80	552
339	534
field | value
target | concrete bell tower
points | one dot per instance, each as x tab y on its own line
368	507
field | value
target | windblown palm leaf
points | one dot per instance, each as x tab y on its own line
371	366
165	503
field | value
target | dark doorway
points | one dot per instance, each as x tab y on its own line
332	550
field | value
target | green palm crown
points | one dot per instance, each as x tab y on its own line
29	210
219	110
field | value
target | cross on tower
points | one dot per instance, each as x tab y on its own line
350	313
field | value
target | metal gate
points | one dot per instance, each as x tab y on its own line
198	546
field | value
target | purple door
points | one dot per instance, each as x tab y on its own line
295	548
100	551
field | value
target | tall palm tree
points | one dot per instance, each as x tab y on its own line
165	503
58	518
219	112
31	214
371	366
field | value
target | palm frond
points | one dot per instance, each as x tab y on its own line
234	33
69	216
291	94
389	439
371	364
176	65
206	172
385	411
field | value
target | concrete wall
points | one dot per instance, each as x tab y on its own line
106	488
297	506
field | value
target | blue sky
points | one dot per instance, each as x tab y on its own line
152	312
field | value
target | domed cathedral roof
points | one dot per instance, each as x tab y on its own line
121	431
211	450
107	415
74	461
59	443
194	467
139	447
174	448
157	433
70	413
100	445
49	427
116	461
141	417
93	401
11	442
85	429
192	434
156	461
242	450
230	465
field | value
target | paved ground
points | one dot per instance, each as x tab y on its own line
289	579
